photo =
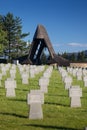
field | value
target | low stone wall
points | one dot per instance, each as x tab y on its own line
79	65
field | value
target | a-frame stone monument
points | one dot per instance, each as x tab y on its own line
41	41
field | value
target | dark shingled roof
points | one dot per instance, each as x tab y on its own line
41	39
41	33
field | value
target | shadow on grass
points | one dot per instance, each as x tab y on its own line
57	104
22	100
22	89
13	114
51	127
59	95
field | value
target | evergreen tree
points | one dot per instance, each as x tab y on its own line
72	57
81	56
13	26
3	41
64	55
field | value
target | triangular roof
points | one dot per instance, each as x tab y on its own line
42	40
41	33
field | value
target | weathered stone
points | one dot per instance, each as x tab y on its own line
85	128
13	73
35	106
32	73
68	82
75	93
38	92
79	75
10	88
35	111
85	81
43	83
33	98
25	77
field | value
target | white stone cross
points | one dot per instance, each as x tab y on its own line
75	92
34	100
10	86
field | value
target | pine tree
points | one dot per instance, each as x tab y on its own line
72	57
13	26
3	41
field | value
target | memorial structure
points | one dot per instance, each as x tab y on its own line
41	41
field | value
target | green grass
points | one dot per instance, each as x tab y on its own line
57	113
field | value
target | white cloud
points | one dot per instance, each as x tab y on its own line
56	45
77	44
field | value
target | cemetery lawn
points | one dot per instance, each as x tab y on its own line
57	113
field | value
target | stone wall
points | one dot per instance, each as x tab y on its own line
82	65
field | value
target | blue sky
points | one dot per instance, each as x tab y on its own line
64	20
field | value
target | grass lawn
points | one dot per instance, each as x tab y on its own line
57	113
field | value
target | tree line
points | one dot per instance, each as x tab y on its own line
72	57
75	57
12	44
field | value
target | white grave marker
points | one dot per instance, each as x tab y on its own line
75	92
25	77
68	82
35	106
43	83
85	81
10	86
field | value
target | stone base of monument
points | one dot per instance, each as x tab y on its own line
75	102
85	128
10	92
36	111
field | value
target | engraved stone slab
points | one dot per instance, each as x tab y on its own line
33	98
13	73
79	75
9	83
36	111
35	106
25	77
44	89
3	71
85	128
75	93
85	81
38	92
32	73
64	75
68	82
10	88
44	82
46	75
75	102
74	72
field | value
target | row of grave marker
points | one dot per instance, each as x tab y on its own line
10	83
75	92
35	98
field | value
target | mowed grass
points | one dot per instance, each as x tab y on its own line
57	113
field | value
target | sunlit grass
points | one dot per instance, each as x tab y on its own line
57	113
